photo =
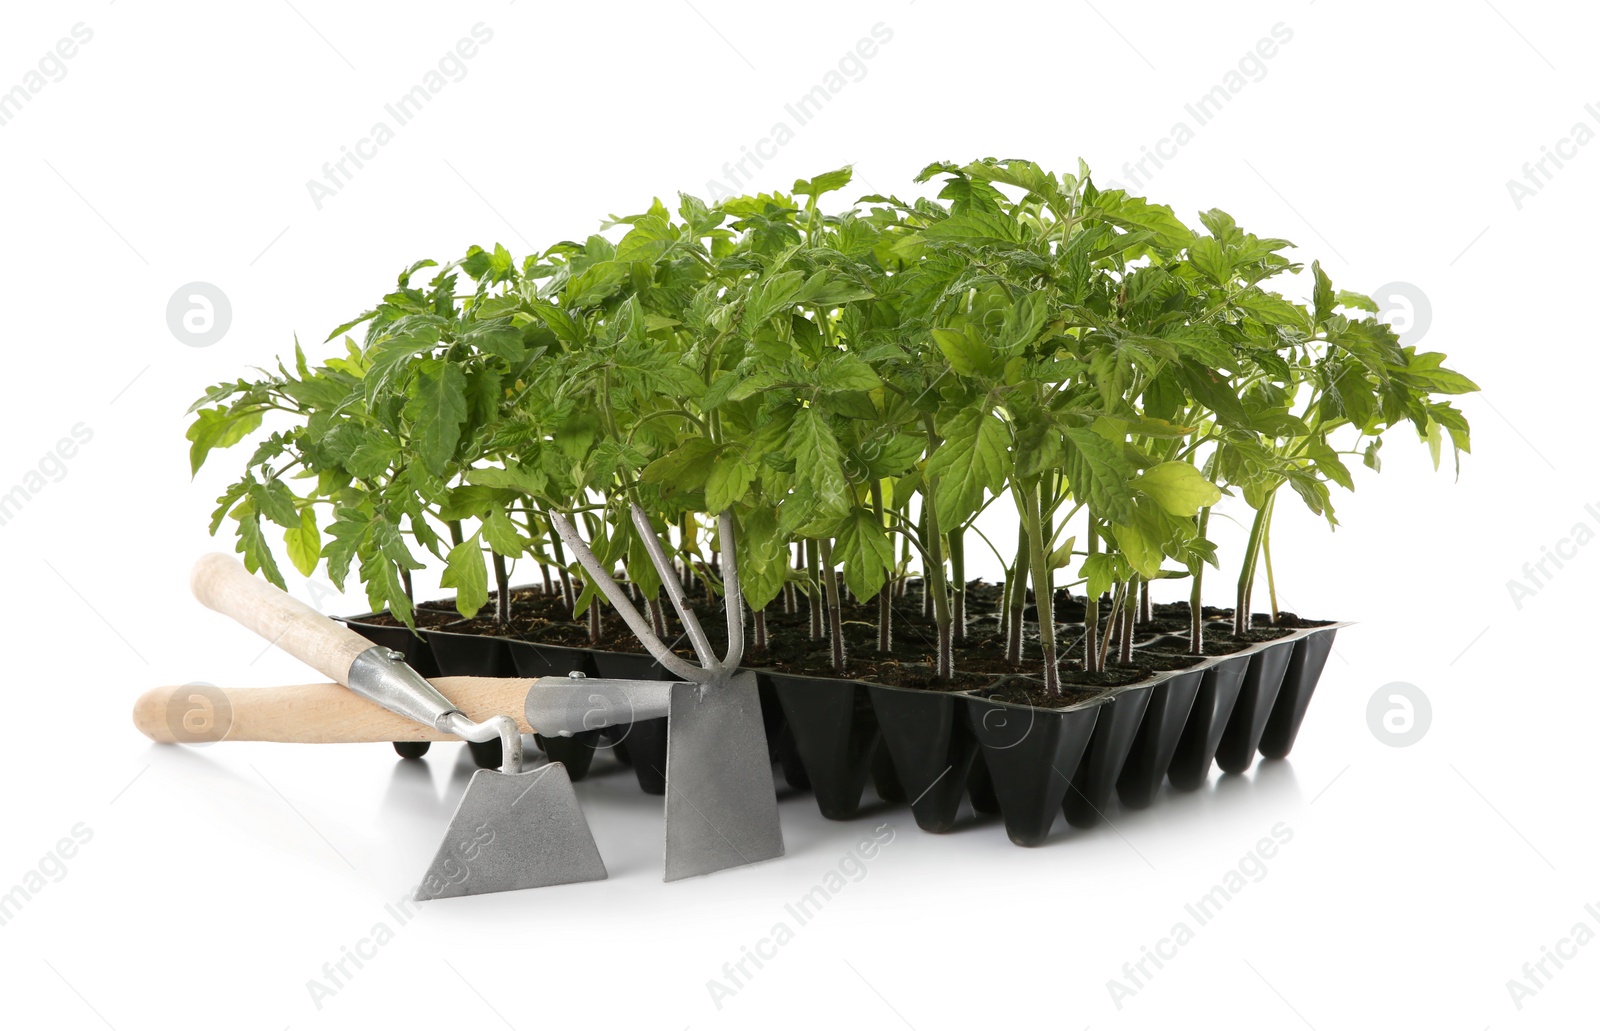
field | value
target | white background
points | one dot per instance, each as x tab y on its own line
219	881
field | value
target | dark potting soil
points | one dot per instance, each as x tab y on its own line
979	658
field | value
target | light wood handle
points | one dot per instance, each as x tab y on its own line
310	713
220	582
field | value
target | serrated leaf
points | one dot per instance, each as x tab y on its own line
466	572
503	535
817	459
729	481
864	548
1179	488
437	412
1097	473
972	459
976	227
218	427
304	543
769	296
847	372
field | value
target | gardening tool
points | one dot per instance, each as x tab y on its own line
512	828
722	807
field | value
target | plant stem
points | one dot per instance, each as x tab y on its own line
1266	558
1039	559
791	604
454	526
1129	614
1197	625
958	573
1145	613
1017	597
1247	573
1091	612
658	618
885	593
830	588
813	590
760	643
568	596
502	588
594	621
1112	618
933	584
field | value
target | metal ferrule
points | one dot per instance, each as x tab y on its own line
380	675
563	706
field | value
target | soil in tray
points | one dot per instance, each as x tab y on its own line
980	658
535	615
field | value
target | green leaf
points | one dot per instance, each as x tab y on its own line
1214	392
763	557
595	283
838	179
847	372
218	427
1142	552
466	572
770	296
1322	295
1206	255
304	542
437	411
686	468
1351	299
732	472
1097	473
253	546
503	535
1024	320
1178	488
866	551
1270	309
1136	213
559	320
968	353
498	337
817	459
977	227
522	478
650	238
972	459
1103	571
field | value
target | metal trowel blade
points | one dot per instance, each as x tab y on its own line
514	830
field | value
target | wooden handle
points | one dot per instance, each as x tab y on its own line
223	584
310	713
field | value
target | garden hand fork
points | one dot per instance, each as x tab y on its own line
721	805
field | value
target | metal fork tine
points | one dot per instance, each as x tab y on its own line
625	608
732	600
674	587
